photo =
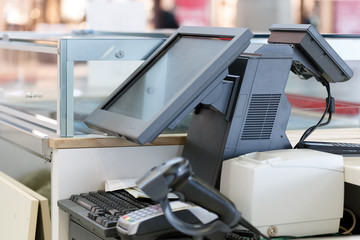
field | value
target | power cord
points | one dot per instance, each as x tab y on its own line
329	109
349	231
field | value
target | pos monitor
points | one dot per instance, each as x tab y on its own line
170	82
316	58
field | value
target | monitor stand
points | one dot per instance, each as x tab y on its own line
254	118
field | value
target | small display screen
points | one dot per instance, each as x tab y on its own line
172	71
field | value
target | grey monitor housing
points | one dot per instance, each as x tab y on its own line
170	83
254	118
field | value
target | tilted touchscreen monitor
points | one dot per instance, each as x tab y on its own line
169	81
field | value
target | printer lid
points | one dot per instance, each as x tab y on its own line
296	158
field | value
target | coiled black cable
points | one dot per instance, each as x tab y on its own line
241	235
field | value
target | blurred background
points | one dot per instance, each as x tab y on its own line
339	18
329	16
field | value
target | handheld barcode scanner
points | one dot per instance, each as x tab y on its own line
175	175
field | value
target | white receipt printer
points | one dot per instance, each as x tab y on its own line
296	192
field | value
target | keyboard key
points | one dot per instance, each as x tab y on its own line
105	208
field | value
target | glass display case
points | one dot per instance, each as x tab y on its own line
50	82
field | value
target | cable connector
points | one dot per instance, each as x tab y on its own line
331	103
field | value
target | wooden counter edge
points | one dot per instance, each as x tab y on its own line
101	142
350	135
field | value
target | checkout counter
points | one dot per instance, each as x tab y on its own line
42	114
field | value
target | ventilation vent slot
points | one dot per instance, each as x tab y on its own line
261	116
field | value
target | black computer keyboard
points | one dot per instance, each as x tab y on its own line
99	211
345	149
